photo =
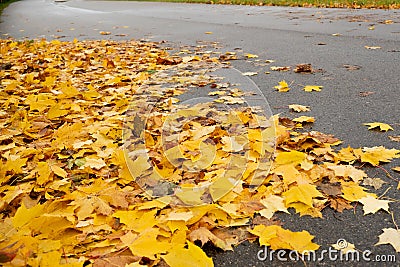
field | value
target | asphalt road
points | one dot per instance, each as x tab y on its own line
329	39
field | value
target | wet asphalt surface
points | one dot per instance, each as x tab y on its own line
333	40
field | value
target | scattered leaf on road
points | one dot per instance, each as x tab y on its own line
248	55
383	127
395	138
374	182
372	47
249	73
372	205
390	236
310	88
282	86
277	68
299	108
302	119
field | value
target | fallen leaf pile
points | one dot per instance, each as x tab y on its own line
101	164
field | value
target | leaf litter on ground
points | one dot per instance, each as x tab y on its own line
101	164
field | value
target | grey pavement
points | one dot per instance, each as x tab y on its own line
329	39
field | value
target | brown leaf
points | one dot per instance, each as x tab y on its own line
303	68
374	182
340	204
395	138
366	93
330	189
351	67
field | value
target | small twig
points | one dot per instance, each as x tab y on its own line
392	199
387	173
361	166
355	206
385	192
304	262
394	222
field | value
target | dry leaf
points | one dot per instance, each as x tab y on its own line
249	73
390	236
277	68
395	138
84	162
366	93
372	205
248	55
310	88
383	127
303	68
299	108
372	47
278	238
303	119
351	67
374	182
282	86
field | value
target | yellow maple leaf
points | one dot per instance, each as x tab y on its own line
59	171
248	55
147	245
376	154
190	195
49	81
25	215
383	127
347	155
68	90
292	157
192	256
352	191
57	111
282	86
39	102
44	173
310	88
303	193
302	119
179	216
13	163
278	238
272	204
223	184
299	108
285	165
137	220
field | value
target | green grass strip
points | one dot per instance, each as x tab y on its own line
382	4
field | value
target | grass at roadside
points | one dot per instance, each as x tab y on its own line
384	4
4	4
